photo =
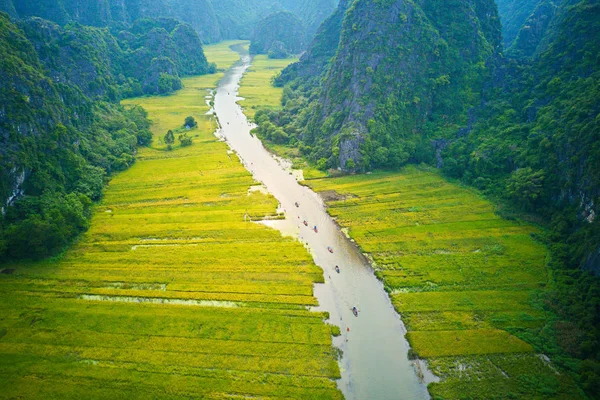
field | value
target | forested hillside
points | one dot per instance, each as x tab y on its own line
198	13
279	35
239	18
62	132
213	20
432	83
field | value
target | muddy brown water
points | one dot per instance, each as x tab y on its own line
374	364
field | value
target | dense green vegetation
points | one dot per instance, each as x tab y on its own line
279	35
173	293
370	116
524	17
63	132
118	13
214	20
435	87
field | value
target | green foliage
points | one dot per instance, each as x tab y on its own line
57	144
190	122
185	140
168	83
524	186
39	226
278	51
169	137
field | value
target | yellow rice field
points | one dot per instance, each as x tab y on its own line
256	88
174	292
468	284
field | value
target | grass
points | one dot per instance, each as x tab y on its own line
468	284
256	88
173	292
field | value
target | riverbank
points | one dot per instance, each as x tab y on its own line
470	285
375	362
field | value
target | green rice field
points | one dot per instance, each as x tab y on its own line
468	284
256	88
174	292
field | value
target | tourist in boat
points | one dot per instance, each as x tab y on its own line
330	249
315	228
337	269
305	223
297	205
355	311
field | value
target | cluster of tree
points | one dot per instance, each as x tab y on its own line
184	139
433	85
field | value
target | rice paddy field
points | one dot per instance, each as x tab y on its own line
468	284
174	292
256	87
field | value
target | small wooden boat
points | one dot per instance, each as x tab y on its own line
330	249
337	269
355	311
297	205
315	229
305	223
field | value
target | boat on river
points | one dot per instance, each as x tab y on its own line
337	269
305	223
330	249
355	311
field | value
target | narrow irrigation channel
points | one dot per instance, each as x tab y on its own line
375	364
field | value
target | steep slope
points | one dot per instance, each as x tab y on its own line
315	60
281	32
311	12
417	66
514	14
62	131
238	18
56	148
197	13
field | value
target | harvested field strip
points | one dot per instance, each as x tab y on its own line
173	292
469	285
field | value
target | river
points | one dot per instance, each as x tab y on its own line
374	365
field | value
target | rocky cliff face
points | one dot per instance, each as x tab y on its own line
400	66
311	12
314	62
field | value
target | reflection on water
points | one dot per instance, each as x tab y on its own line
374	363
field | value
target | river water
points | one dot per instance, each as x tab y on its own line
374	365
